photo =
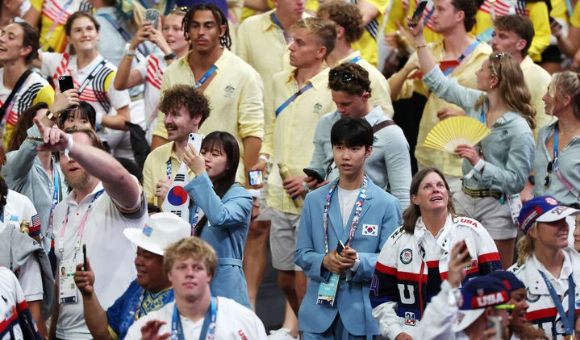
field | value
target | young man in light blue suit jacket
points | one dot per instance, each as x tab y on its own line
362	216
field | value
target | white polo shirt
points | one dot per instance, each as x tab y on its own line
233	321
111	254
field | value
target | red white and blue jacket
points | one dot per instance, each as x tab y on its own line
411	267
542	311
16	322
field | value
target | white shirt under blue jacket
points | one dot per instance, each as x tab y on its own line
379	217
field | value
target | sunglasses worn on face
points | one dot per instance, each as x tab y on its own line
345	76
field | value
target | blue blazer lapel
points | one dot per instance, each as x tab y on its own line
335	221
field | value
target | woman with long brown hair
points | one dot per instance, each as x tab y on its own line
414	260
497	168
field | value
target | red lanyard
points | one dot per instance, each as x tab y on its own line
81	227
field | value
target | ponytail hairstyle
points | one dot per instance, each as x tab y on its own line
525	246
511	85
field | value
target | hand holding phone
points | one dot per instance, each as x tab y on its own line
66	83
314	174
84	257
152	16
339	247
255	177
196	139
418	14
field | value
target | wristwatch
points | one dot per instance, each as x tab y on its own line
170	56
52	116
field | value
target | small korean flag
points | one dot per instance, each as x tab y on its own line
370	229
177	200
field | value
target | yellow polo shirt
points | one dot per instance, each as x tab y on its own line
399	12
381	92
465	75
538	15
289	137
155	169
575	19
537	80
235	97
259	34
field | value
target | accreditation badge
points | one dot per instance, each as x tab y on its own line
327	291
68	291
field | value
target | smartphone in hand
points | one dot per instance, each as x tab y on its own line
418	14
314	174
255	177
66	83
84	257
195	139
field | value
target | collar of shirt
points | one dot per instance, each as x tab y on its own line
376	116
318	81
350	57
439	52
561	283
421	230
70	198
220	63
85	71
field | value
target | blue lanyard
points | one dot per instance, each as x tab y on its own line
356	218
482	117
291	99
555	147
56	198
126	36
205	77
277	22
209	323
567	320
355	60
462	56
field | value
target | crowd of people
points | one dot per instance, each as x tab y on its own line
153	152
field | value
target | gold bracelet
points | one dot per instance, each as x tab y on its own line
421	46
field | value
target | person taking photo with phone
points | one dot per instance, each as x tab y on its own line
185	110
222	210
92	75
357	215
415	259
149	71
495	170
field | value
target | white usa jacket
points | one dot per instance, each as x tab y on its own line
542	311
409	271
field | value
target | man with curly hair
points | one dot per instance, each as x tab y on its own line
185	110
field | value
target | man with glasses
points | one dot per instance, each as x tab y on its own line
301	98
389	166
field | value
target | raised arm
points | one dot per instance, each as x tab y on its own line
117	181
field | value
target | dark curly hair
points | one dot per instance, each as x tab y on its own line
188	97
345	15
220	18
350	78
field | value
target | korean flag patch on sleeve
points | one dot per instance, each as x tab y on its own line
370	230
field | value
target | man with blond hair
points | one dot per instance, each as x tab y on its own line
190	265
300	98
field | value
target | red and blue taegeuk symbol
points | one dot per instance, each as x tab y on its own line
177	196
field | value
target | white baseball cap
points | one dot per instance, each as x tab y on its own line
161	230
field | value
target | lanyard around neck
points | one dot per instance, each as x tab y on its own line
205	77
555	147
90	77
358	208
56	198
293	97
567	320
287	37
209	323
81	226
355	59
462	57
